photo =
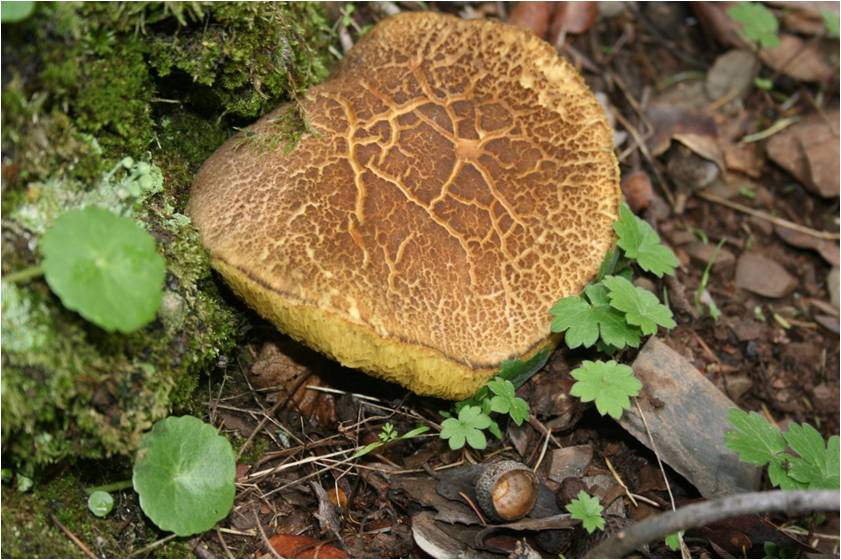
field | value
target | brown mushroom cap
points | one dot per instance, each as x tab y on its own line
456	179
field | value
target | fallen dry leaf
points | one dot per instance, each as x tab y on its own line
300	546
743	158
637	190
825	248
670	121
798	59
805	17
809	150
534	16
758	274
732	75
572	17
279	367
717	24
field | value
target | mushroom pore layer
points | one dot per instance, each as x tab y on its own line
455	179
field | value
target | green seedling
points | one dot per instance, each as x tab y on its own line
759	24
588	510
609	384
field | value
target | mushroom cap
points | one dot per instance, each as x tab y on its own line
455	179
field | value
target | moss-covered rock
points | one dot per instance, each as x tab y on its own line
116	105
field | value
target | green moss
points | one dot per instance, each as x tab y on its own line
117	105
249	56
29	530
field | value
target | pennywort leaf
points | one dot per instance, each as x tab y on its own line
184	475
100	503
105	267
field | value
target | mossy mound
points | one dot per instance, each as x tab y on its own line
116	105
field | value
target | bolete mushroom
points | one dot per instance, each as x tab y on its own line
455	178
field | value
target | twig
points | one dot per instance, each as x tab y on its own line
778	126
698	515
684	552
264	538
542	451
621	482
767	217
140	553
474	508
73	537
227	550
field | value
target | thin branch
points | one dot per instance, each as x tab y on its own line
698	515
768	217
76	540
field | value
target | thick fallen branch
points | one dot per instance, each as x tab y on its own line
704	513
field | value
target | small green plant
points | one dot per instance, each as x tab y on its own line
586	319
588	510
467	427
764	84
830	23
640	243
758	23
609	384
388	433
13	12
673	541
702	286
641	308
497	396
184	475
815	464
613	313
100	503
104	266
506	401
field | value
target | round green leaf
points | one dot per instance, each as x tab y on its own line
100	503
184	475
12	12
105	267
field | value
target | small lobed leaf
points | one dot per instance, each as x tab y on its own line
831	23
758	23
640	242
105	267
817	466
673	541
586	322
609	384
641	307
506	401
588	510
184	475
466	428
754	439
779	476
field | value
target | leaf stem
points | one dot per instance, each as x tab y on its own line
24	275
110	487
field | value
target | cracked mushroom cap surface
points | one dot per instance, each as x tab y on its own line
455	178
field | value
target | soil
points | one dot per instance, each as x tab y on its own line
288	410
